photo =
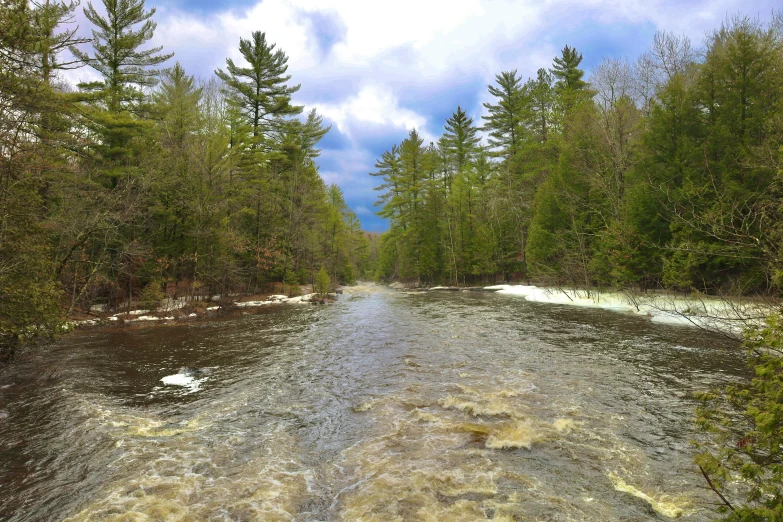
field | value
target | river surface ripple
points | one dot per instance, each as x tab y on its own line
384	406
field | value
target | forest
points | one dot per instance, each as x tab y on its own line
658	173
150	180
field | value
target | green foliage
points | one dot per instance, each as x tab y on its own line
116	41
116	105
151	296
177	105
34	137
343	240
460	140
29	295
743	454
663	173
540	99
566	69
323	283
455	214
505	116
260	91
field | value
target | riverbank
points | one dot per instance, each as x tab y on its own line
728	316
179	310
176	311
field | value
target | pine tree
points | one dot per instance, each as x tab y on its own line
504	121
34	127
461	139
566	70
569	86
411	156
177	103
125	68
49	17
118	112
304	136
260	91
261	98
540	94
405	170
389	170
460	144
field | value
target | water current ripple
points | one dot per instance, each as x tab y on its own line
382	407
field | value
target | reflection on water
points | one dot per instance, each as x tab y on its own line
384	406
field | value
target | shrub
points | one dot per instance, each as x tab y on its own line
151	296
323	283
744	425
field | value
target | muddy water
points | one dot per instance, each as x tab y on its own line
384	406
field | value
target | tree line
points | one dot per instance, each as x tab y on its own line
149	177
663	172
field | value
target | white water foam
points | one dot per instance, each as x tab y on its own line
184	380
710	313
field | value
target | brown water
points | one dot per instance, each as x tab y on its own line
384	406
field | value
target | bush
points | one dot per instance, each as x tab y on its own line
348	274
323	283
292	284
744	424
151	296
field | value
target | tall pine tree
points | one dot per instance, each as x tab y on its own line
260	90
127	70
504	121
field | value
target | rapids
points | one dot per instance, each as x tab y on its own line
382	407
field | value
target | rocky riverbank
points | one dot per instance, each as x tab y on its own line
178	310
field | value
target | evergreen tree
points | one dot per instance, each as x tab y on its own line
389	170
505	116
309	134
411	176
569	85
540	114
461	139
177	104
260	91
567	72
35	138
117	117
193	200
461	144
126	69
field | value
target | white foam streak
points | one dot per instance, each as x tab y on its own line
725	315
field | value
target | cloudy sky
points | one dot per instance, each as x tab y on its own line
376	69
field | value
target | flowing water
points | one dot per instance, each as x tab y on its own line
384	406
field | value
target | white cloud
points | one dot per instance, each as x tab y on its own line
372	105
394	44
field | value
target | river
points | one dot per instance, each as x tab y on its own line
384	406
